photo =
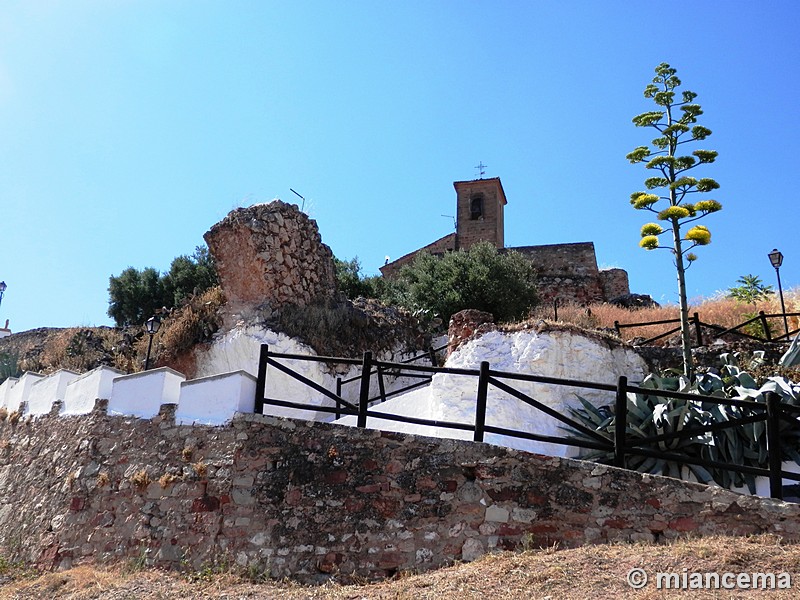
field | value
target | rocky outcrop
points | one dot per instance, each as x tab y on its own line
268	256
465	325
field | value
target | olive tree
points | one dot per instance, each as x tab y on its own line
670	189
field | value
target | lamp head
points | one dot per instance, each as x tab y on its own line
152	325
776	258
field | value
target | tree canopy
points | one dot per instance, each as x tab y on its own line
135	296
502	283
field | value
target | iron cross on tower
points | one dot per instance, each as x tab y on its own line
481	169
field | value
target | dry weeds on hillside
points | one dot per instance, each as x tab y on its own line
725	312
587	572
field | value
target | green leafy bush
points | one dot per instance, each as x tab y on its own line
135	296
502	283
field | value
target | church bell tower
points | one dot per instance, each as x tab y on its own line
479	212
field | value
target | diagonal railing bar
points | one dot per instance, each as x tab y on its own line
687	460
547	410
548	438
403	390
312	384
694	397
427	369
404	362
685	433
315	358
589	385
309	407
420	421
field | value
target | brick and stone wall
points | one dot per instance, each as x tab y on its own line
615	283
314	500
490	227
440	246
271	255
569	273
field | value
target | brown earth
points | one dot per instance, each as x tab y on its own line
587	572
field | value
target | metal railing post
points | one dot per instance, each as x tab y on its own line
363	396
616	326
338	393
381	385
480	405
432	356
765	325
698	330
774	453
620	421
261	380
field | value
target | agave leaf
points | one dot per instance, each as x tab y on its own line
792	453
592	411
746	380
745	393
703	476
647	464
758	429
750	480
634	409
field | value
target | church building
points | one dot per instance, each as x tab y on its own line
566	272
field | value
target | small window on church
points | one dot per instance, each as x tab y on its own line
476	208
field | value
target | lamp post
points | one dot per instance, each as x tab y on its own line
152	326
2	290
776	258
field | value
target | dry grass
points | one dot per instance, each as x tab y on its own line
76	348
191	324
721	311
140	479
587	572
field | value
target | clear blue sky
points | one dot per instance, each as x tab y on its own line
130	128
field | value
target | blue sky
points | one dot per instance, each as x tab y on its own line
130	128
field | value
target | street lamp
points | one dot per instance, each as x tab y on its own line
152	326
776	258
2	290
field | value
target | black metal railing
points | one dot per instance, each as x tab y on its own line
621	445
698	325
382	373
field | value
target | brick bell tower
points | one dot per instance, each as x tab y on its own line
479	212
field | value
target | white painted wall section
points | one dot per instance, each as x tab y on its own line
239	349
142	394
48	390
215	400
19	393
5	387
82	392
559	354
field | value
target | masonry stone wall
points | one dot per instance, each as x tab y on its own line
569	273
313	500
490	227
271	255
440	246
615	283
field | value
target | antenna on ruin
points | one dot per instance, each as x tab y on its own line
299	196
481	168
451	217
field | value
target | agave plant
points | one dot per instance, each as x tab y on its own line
651	415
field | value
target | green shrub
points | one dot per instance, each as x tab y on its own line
501	283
